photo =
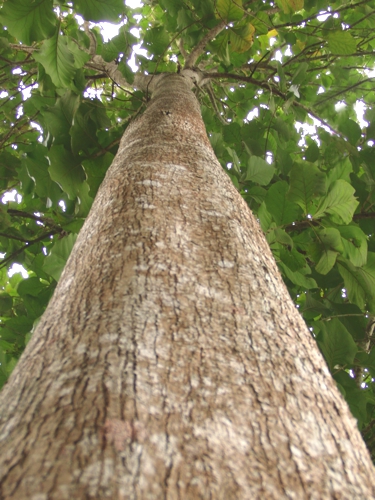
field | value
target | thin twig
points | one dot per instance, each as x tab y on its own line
47	221
5	261
347	89
303	224
276	91
22	48
328	318
331	12
11	237
185	55
317	117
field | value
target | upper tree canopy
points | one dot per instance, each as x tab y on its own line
280	85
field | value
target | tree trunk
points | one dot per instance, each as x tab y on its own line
171	362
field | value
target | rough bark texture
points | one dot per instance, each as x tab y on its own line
171	362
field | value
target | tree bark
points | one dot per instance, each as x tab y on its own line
171	362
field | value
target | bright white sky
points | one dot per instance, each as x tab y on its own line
133	3
110	30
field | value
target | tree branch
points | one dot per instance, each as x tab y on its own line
347	6
347	89
303	224
185	55
47	221
274	90
317	117
11	237
200	48
5	261
23	48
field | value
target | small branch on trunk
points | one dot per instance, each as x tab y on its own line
304	224
22	48
185	55
46	221
92	38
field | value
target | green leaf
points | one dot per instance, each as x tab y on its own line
8	166
96	170
313	308
357	398
184	18
261	23
241	38
119	44
359	282
37	165
206	7
172	6
312	152
236	162
232	133
56	260
61	57
339	203
220	46
354	243
283	237
19	325
341	43
229	10
351	317
58	119
258	170
66	170
85	200
156	40
306	183
80	56
298	278
33	307
283	211
289	6
265	218
326	261
100	10
126	71
330	237
292	258
336	343
351	129
31	286
6	303
300	74
340	171
88	119
74	226
325	249
29	20
257	193
281	74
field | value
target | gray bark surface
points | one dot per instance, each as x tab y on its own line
171	362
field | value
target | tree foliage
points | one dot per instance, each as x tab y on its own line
281	85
